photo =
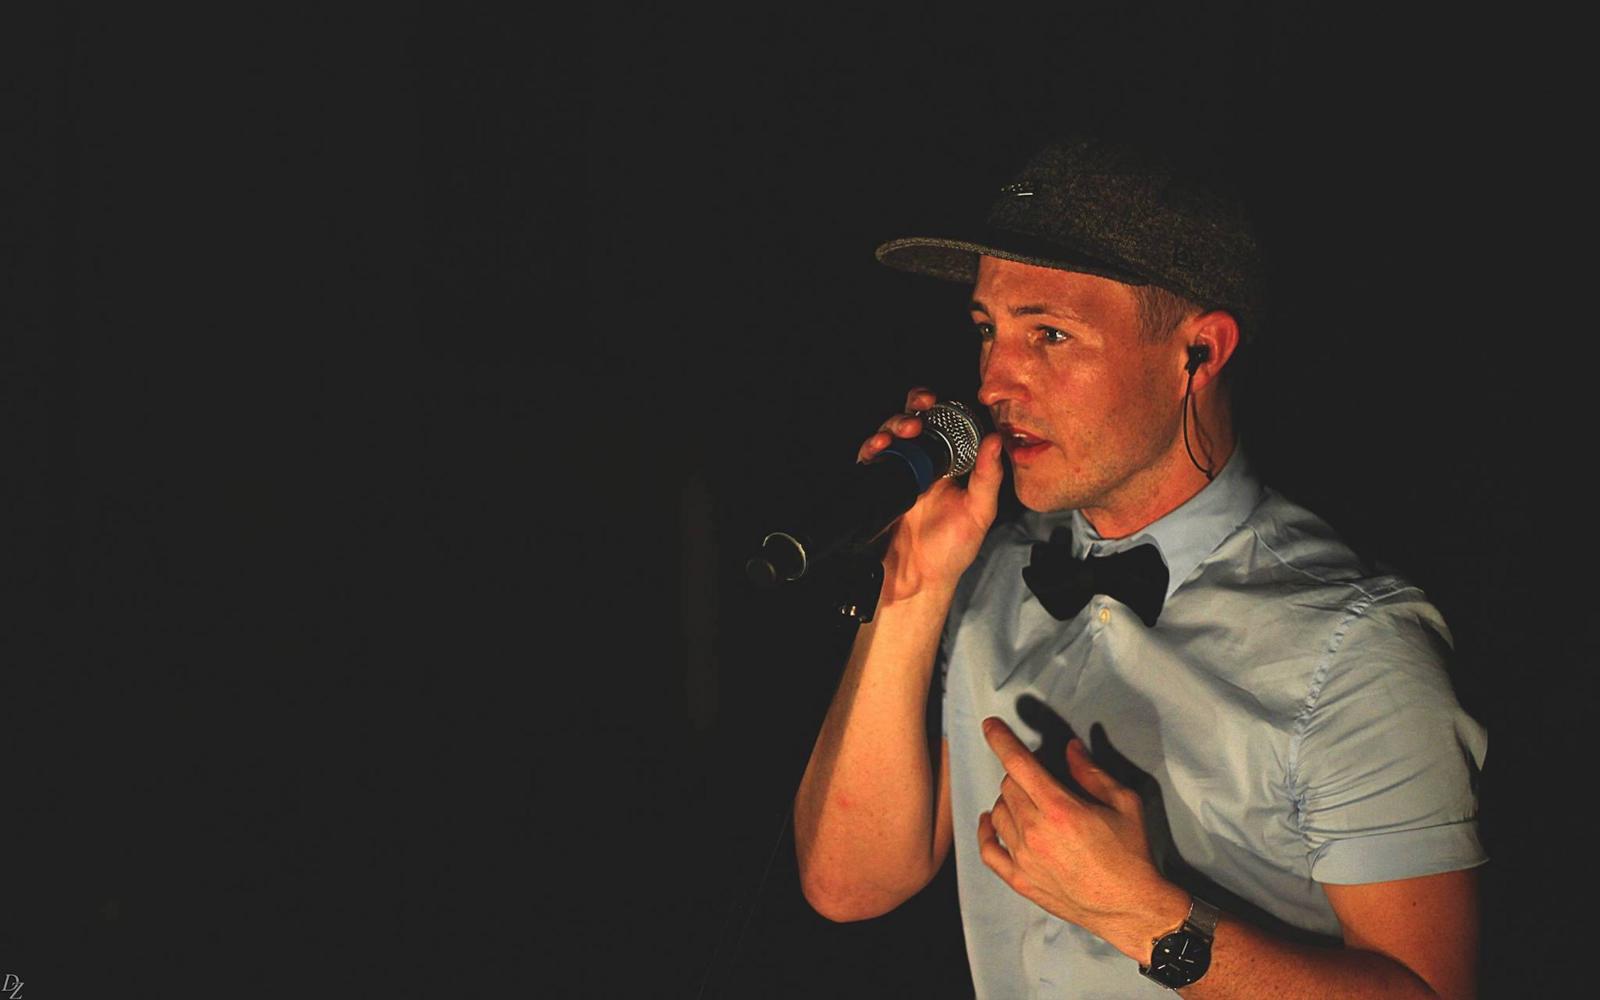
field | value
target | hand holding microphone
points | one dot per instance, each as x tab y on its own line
937	538
903	480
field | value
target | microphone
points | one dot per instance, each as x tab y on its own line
874	495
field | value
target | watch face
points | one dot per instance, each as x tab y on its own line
1179	959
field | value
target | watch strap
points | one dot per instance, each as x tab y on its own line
1202	917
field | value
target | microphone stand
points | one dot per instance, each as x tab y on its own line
856	574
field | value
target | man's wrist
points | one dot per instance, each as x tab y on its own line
928	596
1165	913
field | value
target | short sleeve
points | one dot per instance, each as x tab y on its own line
1386	762
941	672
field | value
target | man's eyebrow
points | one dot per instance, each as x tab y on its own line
1040	309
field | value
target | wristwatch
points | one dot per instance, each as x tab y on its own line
1183	956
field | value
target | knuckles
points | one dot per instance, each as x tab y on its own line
1059	814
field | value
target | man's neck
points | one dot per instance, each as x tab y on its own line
1170	485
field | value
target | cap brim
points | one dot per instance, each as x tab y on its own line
957	259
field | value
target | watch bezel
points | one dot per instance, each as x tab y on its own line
1192	937
1170	974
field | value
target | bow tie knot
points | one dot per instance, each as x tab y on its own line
1137	577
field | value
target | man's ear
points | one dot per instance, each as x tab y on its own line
1210	340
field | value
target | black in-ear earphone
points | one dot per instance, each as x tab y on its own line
1199	354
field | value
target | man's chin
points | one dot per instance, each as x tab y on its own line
1039	500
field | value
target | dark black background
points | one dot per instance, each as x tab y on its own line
398	393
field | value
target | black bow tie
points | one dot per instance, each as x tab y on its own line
1137	577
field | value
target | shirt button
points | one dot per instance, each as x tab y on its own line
1105	615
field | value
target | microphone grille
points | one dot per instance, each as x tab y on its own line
956	424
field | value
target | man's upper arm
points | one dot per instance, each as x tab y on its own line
1428	924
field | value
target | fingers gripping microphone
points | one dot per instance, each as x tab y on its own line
875	495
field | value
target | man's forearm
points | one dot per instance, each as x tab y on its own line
1247	963
865	812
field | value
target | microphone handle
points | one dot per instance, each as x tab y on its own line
872	498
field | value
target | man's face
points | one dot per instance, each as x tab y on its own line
1088	409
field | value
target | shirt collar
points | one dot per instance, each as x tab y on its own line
1185	535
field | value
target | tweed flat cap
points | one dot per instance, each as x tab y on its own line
1100	208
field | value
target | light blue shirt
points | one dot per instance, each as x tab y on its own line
1288	721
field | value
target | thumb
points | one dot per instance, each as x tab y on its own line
983	486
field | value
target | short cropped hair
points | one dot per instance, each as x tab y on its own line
1160	311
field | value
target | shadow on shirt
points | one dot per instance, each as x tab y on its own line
1052	755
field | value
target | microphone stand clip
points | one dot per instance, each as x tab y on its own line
857	576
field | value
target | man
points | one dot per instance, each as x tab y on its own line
1189	741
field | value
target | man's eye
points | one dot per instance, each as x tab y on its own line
1053	336
985	330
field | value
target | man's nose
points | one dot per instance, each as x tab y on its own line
1001	376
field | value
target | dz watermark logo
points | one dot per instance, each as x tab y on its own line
11	985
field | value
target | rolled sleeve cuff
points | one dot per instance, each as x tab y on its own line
1385	857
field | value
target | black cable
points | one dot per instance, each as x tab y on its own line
1187	396
727	957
